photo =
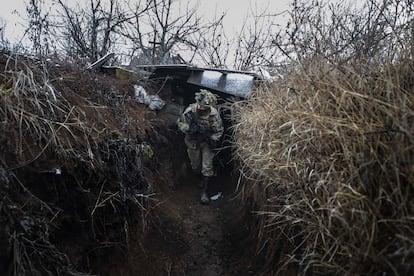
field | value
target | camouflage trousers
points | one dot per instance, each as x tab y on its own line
201	157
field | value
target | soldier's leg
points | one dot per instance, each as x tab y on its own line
195	159
207	170
194	154
207	156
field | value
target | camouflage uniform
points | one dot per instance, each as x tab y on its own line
198	144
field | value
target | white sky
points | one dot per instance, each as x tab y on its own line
236	11
14	28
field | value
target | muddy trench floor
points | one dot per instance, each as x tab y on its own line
189	238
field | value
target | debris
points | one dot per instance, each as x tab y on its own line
56	171
154	102
27	223
216	196
100	62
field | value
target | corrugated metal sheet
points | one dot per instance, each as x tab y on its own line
236	84
231	82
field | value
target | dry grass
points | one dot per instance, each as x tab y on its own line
40	114
328	152
102	178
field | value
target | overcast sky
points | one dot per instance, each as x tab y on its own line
236	11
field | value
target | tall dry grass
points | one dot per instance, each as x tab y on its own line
327	153
60	166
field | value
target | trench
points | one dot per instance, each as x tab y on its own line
94	220
185	236
208	250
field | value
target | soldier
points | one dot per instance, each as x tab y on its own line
203	127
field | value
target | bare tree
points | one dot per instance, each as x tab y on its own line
251	47
339	32
38	29
91	31
4	44
254	42
214	45
163	29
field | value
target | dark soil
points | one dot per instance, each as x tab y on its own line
189	238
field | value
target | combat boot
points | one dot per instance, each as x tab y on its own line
199	180
204	186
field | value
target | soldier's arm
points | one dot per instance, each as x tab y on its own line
183	122
217	127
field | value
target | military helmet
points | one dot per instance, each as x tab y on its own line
205	97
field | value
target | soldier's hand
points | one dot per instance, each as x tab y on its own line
193	129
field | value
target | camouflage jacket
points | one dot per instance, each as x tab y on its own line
211	123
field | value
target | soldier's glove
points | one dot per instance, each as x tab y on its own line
212	144
204	132
193	129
